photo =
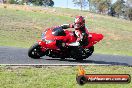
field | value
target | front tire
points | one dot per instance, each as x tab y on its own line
35	51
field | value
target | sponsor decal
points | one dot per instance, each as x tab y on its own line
83	78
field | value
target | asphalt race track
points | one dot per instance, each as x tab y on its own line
18	56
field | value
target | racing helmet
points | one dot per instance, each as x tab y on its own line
79	22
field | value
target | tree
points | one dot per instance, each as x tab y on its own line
128	10
10	1
101	6
81	3
34	2
119	7
111	12
42	2
48	3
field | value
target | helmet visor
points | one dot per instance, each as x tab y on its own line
77	25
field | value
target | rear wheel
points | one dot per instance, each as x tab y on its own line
89	51
35	51
84	53
77	53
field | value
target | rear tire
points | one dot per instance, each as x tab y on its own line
77	53
35	51
89	51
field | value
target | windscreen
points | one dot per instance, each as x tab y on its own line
58	31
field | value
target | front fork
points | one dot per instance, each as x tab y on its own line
43	45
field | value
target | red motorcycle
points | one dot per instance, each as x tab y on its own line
56	42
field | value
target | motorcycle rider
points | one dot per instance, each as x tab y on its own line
81	31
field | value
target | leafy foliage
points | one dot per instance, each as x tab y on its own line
42	2
81	3
128	12
101	5
34	2
119	6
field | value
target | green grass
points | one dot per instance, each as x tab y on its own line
21	28
56	76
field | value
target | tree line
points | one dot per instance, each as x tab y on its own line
120	8
30	2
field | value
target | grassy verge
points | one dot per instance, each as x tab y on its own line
56	76
21	26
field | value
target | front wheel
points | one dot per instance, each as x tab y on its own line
35	51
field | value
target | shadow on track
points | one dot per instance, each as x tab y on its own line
90	62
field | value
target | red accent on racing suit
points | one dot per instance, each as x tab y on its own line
81	33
